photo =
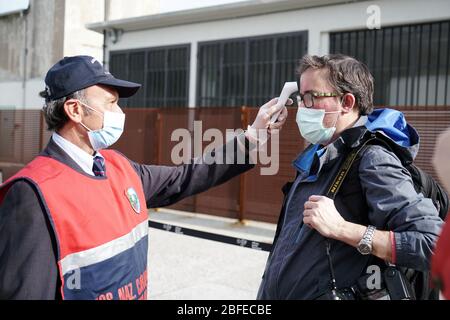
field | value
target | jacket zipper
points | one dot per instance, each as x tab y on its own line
290	195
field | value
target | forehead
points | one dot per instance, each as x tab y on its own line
101	92
315	80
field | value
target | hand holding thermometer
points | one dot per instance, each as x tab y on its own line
288	89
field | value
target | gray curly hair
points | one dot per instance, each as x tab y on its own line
54	113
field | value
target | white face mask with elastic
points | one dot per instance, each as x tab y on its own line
310	124
113	125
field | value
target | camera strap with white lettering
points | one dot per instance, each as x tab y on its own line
332	192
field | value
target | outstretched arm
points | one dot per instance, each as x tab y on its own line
165	185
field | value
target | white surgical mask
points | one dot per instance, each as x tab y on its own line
310	124
113	124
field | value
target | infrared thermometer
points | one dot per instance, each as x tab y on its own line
288	89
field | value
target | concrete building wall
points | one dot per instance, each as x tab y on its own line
39	32
120	9
319	22
49	30
11	47
16	94
29	43
77	39
80	40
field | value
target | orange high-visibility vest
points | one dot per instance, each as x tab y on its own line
440	263
100	224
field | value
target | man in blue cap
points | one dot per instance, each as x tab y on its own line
73	222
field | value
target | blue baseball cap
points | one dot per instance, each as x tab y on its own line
79	72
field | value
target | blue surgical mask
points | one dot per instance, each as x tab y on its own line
310	124
113	124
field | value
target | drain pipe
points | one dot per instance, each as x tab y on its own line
106	9
24	17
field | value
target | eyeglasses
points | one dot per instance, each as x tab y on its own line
308	97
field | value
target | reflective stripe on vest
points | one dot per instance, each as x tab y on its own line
100	224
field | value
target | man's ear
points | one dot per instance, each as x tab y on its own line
348	102
73	110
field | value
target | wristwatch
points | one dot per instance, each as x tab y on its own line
365	245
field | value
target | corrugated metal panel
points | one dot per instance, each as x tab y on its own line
136	67
7	134
410	63
170	120
147	139
118	68
162	71
20	135
263	195
177	77
140	139
429	121
208	85
31	134
222	200
245	71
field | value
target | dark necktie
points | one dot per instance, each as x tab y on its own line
99	166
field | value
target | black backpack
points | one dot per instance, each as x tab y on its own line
423	183
430	188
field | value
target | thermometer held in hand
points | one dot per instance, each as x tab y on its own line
288	89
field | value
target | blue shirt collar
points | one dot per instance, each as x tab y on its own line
304	161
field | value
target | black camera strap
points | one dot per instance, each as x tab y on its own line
332	192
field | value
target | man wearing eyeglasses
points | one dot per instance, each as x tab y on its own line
377	216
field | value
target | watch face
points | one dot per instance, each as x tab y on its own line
364	248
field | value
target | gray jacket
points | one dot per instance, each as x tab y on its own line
378	191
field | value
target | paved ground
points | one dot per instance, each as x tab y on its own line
184	267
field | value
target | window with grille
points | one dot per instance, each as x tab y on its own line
410	63
163	73
247	71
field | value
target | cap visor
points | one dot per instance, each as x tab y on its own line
124	88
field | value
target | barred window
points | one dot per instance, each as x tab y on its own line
247	71
163	73
410	63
